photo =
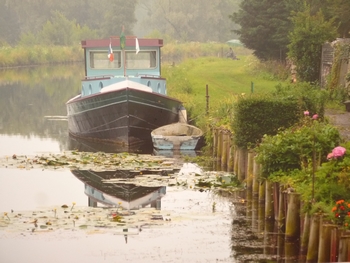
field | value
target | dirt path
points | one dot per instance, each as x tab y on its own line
342	121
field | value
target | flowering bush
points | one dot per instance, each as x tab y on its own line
341	212
295	147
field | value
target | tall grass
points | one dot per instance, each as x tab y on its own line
34	55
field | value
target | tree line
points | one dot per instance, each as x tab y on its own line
65	22
293	29
273	29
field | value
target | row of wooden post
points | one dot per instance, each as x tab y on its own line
319	240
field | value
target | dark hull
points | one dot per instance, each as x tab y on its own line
125	117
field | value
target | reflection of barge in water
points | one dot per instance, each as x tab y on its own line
127	196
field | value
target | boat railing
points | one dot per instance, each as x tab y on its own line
98	77
149	76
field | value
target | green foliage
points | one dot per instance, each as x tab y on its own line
103	17
185	21
167	39
295	148
331	186
264	27
256	116
59	31
306	39
271	70
310	97
339	10
9	24
33	55
118	14
334	178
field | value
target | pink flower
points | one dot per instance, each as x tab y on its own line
338	151
314	117
306	113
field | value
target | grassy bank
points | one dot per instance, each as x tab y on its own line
226	79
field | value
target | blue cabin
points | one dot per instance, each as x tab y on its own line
142	66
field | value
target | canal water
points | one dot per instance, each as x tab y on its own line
167	224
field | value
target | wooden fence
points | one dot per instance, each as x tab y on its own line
320	240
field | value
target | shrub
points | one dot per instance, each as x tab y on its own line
295	148
256	116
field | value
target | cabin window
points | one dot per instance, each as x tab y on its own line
101	85
142	60
158	88
148	84
100	60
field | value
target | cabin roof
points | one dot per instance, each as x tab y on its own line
115	41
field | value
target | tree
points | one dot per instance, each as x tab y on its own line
340	12
119	13
306	39
58	31
264	27
9	26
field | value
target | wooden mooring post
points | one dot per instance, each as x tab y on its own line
242	164
281	221
256	171
235	161
305	235
269	202
249	172
335	234
230	162
312	249
324	247
219	150
293	217
344	247
225	149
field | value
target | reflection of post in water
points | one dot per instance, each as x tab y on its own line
125	236
291	251
261	216
249	206
270	238
255	220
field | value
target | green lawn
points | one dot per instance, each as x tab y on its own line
225	78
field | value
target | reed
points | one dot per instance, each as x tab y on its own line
21	56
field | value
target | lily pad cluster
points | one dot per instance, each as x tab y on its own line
88	160
94	219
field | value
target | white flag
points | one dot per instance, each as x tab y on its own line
137	46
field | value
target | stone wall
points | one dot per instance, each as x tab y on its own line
328	59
